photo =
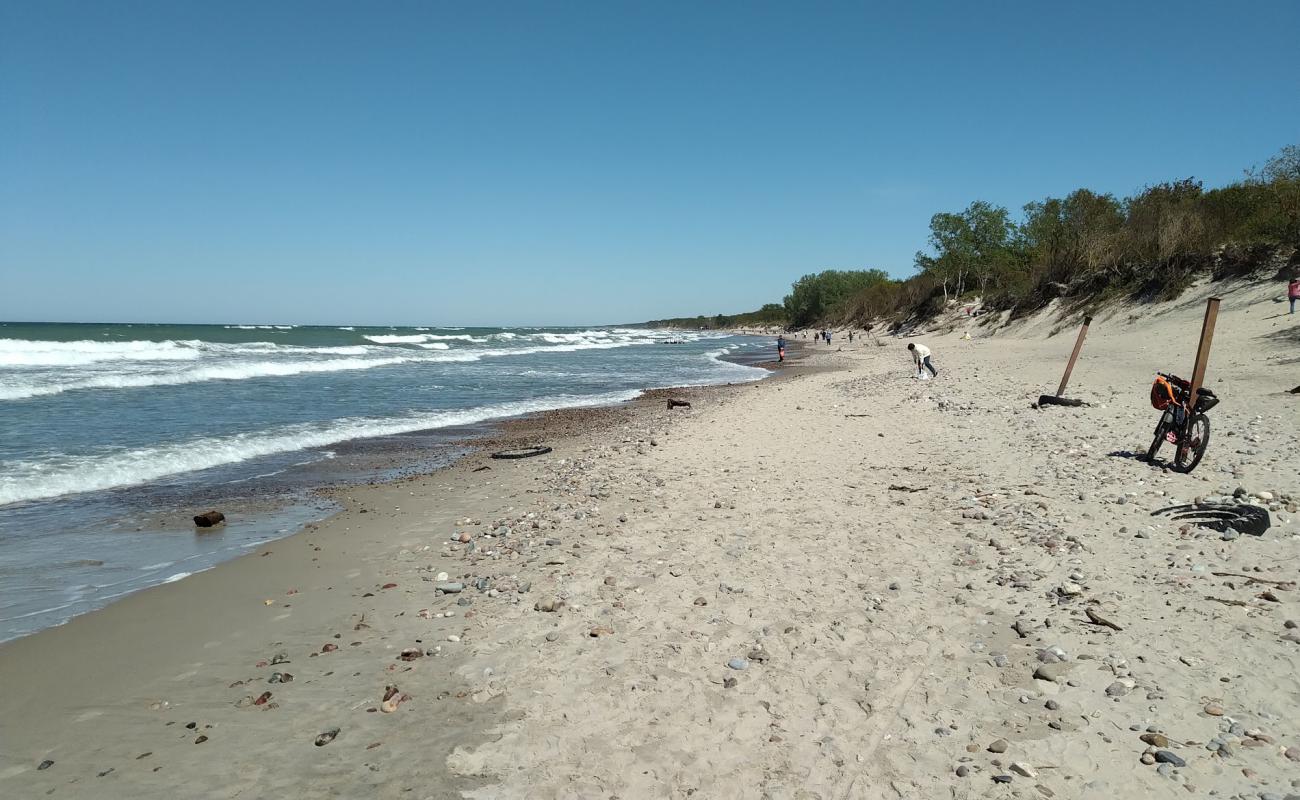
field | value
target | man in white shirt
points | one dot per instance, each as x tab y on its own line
921	355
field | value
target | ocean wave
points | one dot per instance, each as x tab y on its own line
249	360
38	353
233	372
38	480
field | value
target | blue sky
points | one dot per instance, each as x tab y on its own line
553	162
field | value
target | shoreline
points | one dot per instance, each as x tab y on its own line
154	645
259	509
833	581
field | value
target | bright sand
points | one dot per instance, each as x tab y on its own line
861	541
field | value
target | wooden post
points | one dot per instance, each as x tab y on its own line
1203	349
1078	345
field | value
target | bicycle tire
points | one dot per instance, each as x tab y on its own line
1186	458
1157	441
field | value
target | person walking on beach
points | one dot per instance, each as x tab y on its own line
780	348
1293	291
921	357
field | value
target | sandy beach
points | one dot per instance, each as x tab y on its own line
840	582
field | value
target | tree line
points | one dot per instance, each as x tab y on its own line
1085	247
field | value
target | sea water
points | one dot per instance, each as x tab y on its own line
112	436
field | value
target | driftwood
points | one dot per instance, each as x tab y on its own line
1253	579
1241	603
1098	619
209	518
677	404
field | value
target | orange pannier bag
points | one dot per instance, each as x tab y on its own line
1162	394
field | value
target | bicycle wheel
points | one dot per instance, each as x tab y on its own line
1192	447
1160	438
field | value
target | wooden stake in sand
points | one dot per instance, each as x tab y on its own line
1074	356
1057	399
1203	349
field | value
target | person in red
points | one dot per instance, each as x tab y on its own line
1293	291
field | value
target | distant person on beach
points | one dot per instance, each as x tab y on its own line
1293	291
780	348
850	337
921	357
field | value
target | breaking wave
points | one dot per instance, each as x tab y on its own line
37	480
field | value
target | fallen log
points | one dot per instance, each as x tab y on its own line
209	518
677	404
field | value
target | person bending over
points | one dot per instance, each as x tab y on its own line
921	355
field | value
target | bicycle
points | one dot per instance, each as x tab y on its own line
1187	429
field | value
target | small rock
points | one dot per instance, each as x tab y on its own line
327	737
998	746
1148	759
449	588
963	771
1002	779
738	663
549	605
1051	672
1023	769
46	764
1214	710
1166	757
700	601
1155	739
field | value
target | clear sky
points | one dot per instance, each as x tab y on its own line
557	162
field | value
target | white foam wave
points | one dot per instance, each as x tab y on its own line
37	353
37	480
414	338
436	346
234	372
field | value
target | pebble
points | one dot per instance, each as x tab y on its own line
738	663
1214	710
963	771
1166	757
449	588
453	638
46	764
552	636
1155	739
1051	672
1002	779
1021	768
1148	759
998	746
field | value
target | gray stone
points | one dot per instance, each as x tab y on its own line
449	587
1166	757
998	746
738	663
1051	672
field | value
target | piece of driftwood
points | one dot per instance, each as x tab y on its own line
1241	603
1098	619
1253	579
677	404
209	518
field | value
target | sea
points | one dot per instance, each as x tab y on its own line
112	436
